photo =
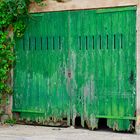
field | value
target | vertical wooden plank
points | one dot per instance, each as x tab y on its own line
99	67
121	61
126	49
133	61
75	46
107	61
96	66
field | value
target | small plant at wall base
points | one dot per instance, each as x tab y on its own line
11	18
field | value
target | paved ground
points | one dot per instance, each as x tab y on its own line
24	132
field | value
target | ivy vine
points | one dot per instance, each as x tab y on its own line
11	18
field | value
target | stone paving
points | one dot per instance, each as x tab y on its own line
27	132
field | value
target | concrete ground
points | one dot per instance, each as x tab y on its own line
27	132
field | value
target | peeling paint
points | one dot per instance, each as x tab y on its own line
83	69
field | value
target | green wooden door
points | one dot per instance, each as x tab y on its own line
40	84
78	64
103	67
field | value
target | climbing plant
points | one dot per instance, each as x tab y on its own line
11	22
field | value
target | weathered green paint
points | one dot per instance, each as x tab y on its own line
78	63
